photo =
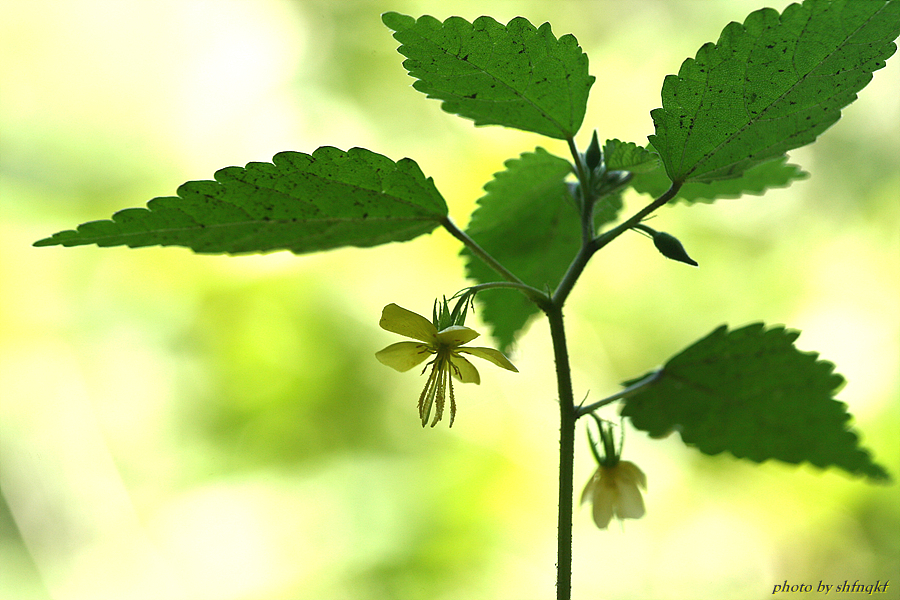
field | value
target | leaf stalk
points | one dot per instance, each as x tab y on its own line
480	252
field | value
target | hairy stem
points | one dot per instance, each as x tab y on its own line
552	306
567	417
631	390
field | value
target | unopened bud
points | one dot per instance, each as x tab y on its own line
670	247
594	156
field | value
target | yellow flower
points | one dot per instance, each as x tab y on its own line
446	347
614	492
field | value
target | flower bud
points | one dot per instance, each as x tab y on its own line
670	247
594	156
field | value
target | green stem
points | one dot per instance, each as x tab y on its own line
645	228
608	236
567	417
541	299
587	250
631	390
552	306
480	252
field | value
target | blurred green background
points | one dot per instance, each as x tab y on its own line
203	427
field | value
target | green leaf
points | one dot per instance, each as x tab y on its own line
299	202
751	392
756	180
628	156
770	85
527	220
513	75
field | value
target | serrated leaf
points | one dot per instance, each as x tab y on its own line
628	156
750	392
298	202
513	75
527	220
770	85
776	173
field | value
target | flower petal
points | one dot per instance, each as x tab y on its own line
489	354
604	502
463	369
588	492
628	471
456	335
397	319
631	504
403	356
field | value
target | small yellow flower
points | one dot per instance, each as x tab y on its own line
613	490
446	347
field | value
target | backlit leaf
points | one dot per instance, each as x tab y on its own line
769	85
628	156
756	180
298	202
514	75
750	392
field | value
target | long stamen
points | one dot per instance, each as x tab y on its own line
441	367
450	385
452	400
426	399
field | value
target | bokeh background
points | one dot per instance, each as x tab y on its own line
211	428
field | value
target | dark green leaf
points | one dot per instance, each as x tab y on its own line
756	180
752	393
299	202
772	84
513	75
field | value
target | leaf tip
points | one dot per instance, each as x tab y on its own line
396	21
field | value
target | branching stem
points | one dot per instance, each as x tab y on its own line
541	299
552	307
631	390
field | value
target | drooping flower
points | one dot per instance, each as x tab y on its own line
614	492
446	349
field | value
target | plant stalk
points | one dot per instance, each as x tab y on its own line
567	417
480	252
